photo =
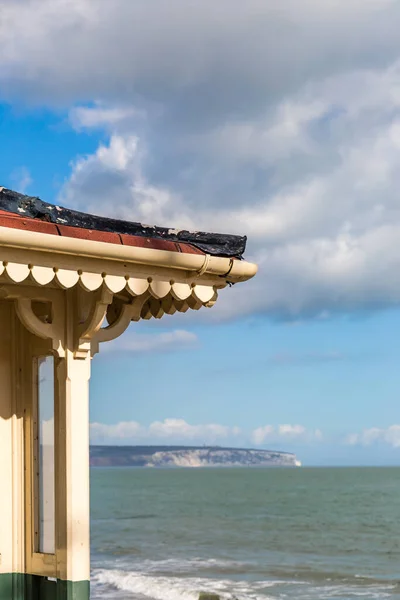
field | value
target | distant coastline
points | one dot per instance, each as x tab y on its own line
188	456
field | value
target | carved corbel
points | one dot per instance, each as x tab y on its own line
46	330
89	328
127	312
41	311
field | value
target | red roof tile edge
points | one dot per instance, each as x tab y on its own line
14	221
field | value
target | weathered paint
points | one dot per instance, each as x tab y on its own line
34	208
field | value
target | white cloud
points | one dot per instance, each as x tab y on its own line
170	431
178	428
280	124
324	220
125	430
47	432
389	436
152	342
179	431
262	434
82	117
292	430
116	171
285	432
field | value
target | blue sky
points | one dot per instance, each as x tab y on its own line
216	122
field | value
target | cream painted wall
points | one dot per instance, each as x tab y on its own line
6	436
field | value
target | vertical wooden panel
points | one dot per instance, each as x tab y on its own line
6	462
12	547
72	447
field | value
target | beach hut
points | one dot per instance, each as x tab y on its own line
70	281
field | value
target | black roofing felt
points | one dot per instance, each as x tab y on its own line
30	206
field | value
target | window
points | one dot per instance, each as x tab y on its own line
45	457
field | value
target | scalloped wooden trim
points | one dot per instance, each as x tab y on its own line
42	275
158	296
90	281
17	272
67	279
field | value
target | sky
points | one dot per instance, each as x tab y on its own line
280	121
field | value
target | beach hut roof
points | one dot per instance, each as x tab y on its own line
32	214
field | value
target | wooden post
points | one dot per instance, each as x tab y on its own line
72	482
25	572
12	551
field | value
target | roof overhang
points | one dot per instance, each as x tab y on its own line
166	281
229	270
33	208
100	279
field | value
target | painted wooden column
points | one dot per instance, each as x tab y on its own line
73	367
44	420
26	571
12	549
72	483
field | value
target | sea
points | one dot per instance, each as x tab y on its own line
245	533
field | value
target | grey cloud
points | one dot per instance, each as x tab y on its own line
325	240
281	121
202	61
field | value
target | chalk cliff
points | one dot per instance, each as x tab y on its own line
184	456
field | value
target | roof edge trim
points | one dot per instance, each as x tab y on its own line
215	244
230	269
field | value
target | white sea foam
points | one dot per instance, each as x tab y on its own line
118	583
177	588
182	565
370	592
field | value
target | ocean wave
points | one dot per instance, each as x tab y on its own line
291	574
118	583
177	588
186	565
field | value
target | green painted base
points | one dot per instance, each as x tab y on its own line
16	586
12	586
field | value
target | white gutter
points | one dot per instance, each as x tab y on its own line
232	270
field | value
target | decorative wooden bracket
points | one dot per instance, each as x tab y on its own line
87	330
31	321
49	327
127	313
71	310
